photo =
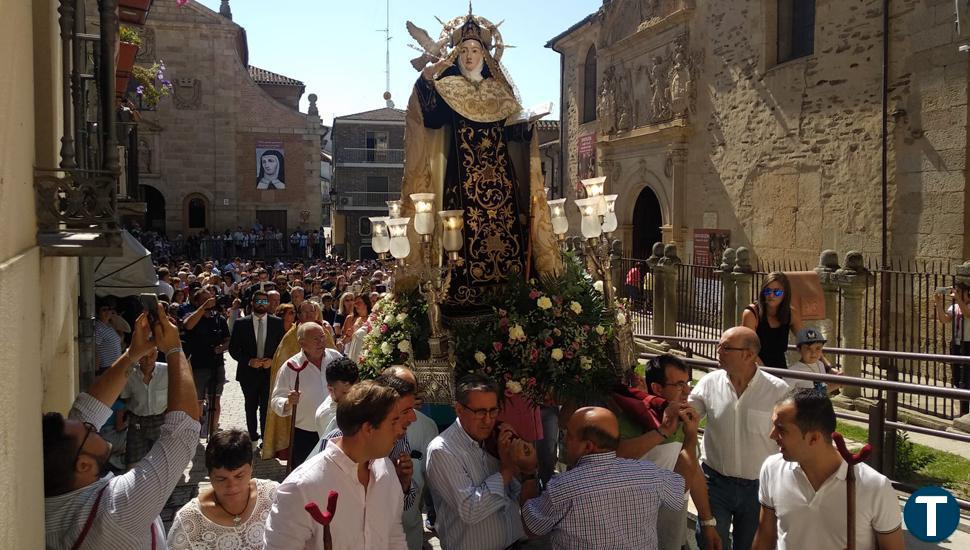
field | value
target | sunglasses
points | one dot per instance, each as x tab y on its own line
776	292
89	428
264	302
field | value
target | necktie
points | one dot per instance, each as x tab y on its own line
260	336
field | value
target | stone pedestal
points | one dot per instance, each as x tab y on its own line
828	263
668	266
729	305
853	280
659	284
743	292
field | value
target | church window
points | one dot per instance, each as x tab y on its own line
796	29
196	213
589	86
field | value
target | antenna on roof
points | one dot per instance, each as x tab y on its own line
387	55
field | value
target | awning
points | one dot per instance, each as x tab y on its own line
126	275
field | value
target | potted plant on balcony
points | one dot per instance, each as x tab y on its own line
134	11
127	50
152	85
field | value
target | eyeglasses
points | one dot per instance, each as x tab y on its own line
686	385
264	302
776	292
480	414
88	429
722	347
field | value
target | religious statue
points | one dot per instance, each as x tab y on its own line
659	103
468	141
680	81
606	108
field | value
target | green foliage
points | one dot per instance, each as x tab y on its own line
547	338
910	457
152	85
129	35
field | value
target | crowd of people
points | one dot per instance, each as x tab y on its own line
764	474
258	241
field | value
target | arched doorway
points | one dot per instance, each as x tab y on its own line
647	220
196	213
155	212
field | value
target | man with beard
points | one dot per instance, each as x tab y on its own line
84	508
253	342
206	339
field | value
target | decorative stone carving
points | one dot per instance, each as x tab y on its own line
623	18
743	260
187	93
624	100
659	90
144	156
681	79
606	107
313	110
146	50
727	260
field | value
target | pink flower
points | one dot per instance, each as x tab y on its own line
558	300
586	328
384	328
576	345
548	342
508	393
534	355
568	354
503	323
533	294
532	381
497	346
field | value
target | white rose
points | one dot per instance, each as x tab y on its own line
401	317
598	285
585	363
544	302
404	346
600	330
513	386
557	353
388	319
480	357
576	307
621	318
386	348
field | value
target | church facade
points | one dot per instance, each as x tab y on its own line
759	122
229	146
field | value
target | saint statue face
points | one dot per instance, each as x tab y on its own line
271	166
471	55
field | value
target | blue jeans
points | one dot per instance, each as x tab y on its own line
734	501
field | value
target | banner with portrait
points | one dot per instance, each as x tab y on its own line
270	165
586	155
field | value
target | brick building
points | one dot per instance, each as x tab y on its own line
201	152
368	155
763	118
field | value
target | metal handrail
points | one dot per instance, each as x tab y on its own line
909	428
907	355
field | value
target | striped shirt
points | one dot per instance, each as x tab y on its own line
476	510
131	502
605	502
107	346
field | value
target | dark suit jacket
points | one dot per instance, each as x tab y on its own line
242	346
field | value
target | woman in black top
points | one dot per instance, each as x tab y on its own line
773	317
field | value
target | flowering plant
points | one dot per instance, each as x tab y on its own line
547	339
152	84
397	324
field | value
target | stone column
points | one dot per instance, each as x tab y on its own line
677	161
658	287
742	282
853	280
828	263
728	290
669	267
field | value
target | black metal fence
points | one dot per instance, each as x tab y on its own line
913	325
226	249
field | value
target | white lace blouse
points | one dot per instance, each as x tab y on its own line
191	530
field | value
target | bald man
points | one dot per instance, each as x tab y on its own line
603	501
737	400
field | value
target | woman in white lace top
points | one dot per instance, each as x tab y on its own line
230	514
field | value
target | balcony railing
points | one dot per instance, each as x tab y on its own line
364	155
364	200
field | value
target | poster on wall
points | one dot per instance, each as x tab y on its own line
709	245
270	165
586	153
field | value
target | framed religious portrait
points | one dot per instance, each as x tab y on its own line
270	165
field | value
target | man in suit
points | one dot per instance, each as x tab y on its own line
254	341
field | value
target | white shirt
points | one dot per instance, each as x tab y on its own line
166	289
476	510
147	399
326	416
817	519
313	388
736	439
364	520
420	434
816	368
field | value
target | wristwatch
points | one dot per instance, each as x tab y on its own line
708	522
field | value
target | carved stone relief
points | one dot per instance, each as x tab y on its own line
606	106
187	93
146	51
145	160
621	18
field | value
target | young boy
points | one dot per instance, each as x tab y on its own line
342	374
810	343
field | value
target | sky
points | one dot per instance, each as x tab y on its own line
337	47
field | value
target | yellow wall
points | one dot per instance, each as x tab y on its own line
38	296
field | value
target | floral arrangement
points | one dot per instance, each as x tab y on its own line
394	323
548	339
152	84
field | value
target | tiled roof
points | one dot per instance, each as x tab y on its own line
384	113
262	76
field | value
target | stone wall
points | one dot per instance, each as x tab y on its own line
201	140
786	156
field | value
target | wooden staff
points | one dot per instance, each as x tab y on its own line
296	387
851	460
